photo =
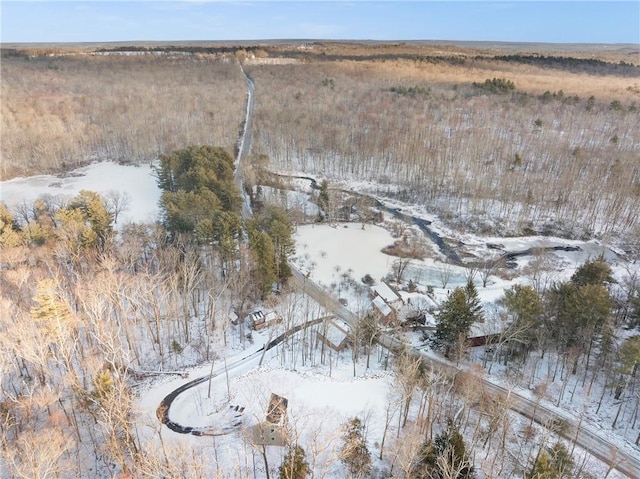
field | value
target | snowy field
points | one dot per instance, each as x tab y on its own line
138	182
319	402
329	251
321	397
332	253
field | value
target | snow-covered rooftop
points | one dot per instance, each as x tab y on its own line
385	292
383	307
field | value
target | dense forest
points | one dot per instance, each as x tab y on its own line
511	162
62	112
93	310
490	159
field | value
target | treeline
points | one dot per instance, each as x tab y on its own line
454	150
410	90
193	49
85	311
496	85
576	326
592	66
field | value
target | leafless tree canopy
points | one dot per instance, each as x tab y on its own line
519	160
60	112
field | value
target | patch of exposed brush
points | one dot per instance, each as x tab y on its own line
404	249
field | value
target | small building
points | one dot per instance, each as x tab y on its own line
385	301
487	332
259	319
386	292
277	410
382	306
272	431
475	341
267	434
334	335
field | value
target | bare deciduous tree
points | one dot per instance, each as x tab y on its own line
445	272
117	202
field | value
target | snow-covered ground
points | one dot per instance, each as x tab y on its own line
138	182
329	251
321	396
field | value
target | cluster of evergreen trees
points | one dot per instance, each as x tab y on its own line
496	85
201	199
197	183
444	457
593	66
576	318
410	91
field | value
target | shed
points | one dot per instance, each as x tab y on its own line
272	431
277	410
267	434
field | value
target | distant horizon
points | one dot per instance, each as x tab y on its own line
318	40
497	21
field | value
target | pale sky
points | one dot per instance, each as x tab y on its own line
517	21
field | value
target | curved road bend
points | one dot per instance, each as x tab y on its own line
244	143
597	446
162	412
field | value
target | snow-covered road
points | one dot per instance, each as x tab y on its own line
584	437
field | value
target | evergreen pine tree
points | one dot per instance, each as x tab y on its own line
95	214
354	453
524	307
103	384
523	303
542	468
552	463
450	445
562	460
9	231
425	466
294	465
50	309
279	228
629	356
473	302
597	272
264	253
460	310
445	455
323	196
